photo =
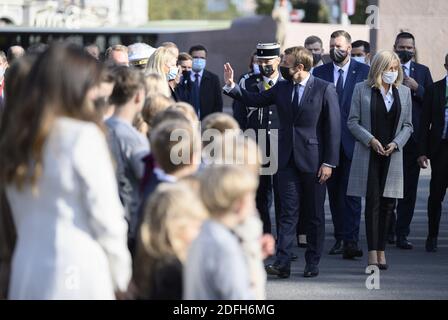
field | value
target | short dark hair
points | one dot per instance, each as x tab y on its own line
127	83
183	56
362	43
198	47
404	35
313	39
341	33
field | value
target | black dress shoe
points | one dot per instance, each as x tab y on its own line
404	243
311	271
294	257
351	251
391	239
337	248
383	266
431	244
275	270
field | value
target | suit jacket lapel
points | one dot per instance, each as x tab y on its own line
349	81
412	71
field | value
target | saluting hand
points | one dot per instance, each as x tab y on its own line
228	74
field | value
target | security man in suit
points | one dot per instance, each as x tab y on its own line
202	87
268	59
433	145
417	77
345	73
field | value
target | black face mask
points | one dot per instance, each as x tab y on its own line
186	74
338	55
316	58
404	55
285	73
267	70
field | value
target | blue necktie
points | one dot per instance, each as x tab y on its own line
295	99
340	86
404	71
196	94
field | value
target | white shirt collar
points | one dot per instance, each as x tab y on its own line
266	79
388	93
345	67
200	73
162	176
305	81
407	65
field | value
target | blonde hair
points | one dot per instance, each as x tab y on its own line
155	83
220	121
381	62
223	185
188	110
154	104
170	210
159	58
163	142
140	124
239	150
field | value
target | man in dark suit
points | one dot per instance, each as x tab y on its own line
433	144
308	150
202	87
249	117
417	77
345	73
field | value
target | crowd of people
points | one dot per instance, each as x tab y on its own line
122	178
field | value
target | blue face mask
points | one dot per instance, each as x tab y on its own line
172	74
198	64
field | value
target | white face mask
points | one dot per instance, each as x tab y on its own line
390	77
2	72
360	59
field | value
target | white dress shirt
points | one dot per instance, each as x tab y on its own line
388	97
275	80
336	69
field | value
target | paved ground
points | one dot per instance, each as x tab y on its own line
412	274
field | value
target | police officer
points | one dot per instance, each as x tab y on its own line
268	60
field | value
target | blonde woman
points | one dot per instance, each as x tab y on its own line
164	62
157	84
172	220
381	121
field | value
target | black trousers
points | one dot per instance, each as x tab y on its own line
378	208
294	185
266	192
411	174
437	188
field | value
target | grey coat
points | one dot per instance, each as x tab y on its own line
359	124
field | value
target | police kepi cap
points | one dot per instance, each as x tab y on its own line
139	53
268	50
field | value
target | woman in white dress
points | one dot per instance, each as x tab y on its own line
71	232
